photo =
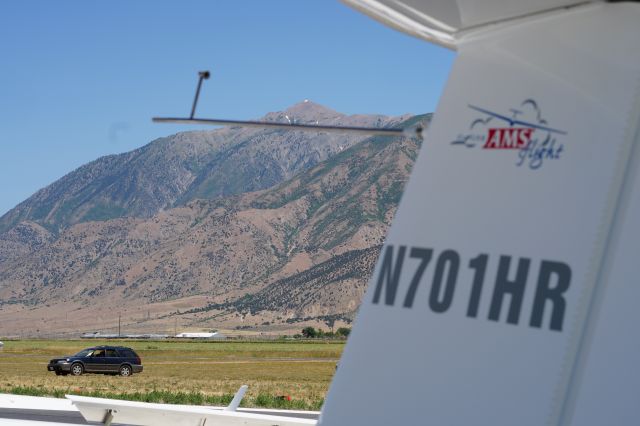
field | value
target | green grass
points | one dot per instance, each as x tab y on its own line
262	400
183	372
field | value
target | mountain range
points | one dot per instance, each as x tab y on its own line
233	228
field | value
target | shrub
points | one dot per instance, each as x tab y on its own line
310	332
343	331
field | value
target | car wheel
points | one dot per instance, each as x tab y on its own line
125	371
77	369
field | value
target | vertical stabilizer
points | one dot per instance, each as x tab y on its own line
505	285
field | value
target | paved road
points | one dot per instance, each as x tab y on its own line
75	417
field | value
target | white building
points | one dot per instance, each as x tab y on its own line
215	335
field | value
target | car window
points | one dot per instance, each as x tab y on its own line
112	353
83	353
98	353
128	353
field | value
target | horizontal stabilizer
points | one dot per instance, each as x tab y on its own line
320	128
447	22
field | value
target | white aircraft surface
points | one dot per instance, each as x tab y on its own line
139	413
506	289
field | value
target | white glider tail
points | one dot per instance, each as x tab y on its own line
506	292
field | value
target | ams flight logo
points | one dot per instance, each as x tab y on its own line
522	130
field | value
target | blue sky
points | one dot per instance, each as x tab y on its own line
82	79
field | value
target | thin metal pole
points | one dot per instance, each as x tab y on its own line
203	76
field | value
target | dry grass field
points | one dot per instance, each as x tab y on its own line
183	371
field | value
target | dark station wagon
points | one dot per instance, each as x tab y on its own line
99	359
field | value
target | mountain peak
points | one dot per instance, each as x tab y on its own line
307	106
304	112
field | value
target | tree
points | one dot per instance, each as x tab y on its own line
309	332
343	331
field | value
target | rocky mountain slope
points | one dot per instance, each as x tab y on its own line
174	170
303	248
331	288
